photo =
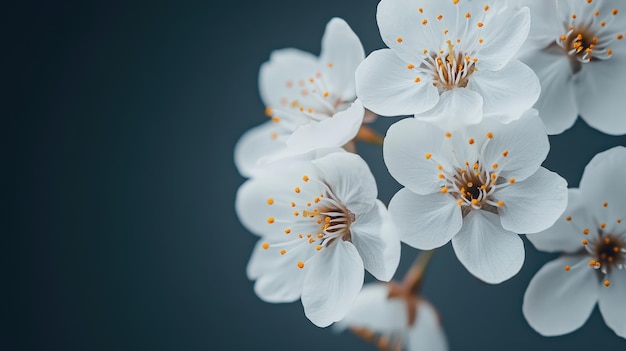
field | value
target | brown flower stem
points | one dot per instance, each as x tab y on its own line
412	281
369	135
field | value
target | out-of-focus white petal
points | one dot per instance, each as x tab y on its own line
256	143
506	93
557	301
330	132
376	238
501	45
387	87
533	204
341	54
612	304
350	179
557	104
491	253
456	109
284	65
603	181
426	333
406	148
567	233
524	142
374	311
425	221
599	92
332	282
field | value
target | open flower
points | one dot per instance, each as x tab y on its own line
310	100
592	235
478	187
449	62
321	225
376	316
576	47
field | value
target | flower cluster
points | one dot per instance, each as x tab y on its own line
476	87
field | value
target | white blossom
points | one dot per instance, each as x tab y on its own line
310	100
592	235
576	47
395	322
449	62
320	225
478	187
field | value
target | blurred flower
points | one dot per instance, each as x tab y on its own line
321	225
449	62
394	321
562	294
574	47
478	187
310	100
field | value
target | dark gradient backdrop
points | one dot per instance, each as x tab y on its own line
119	228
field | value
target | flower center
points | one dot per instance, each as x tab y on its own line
451	69
316	221
586	37
608	251
450	66
473	184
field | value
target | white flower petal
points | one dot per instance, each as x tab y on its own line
489	252
557	301
256	143
425	221
405	150
603	181
506	93
278	278
534	204
566	235
525	142
342	49
251	202
330	132
501	45
401	19
332	282
285	65
544	26
387	87
426	333
612	304
599	92
350	179
374	311
456	108
375	237
557	105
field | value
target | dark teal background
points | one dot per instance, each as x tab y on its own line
119	231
